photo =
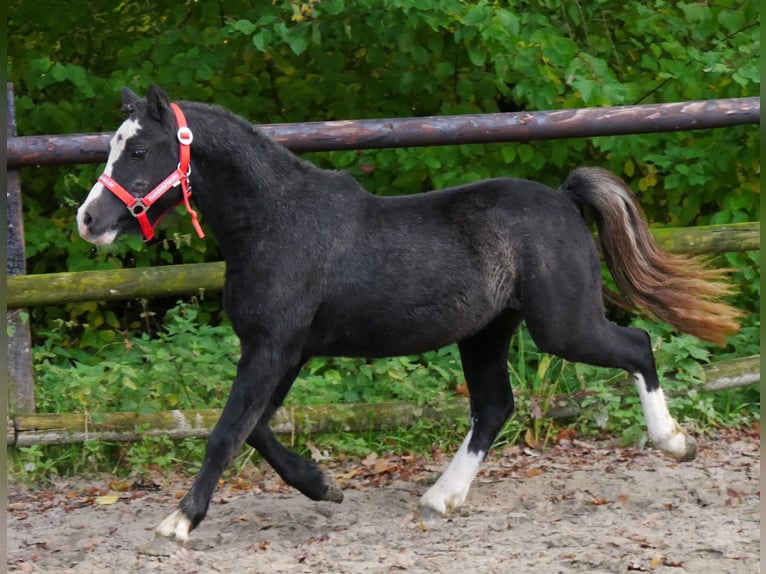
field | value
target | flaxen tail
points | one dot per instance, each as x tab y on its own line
677	289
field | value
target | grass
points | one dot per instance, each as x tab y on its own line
190	364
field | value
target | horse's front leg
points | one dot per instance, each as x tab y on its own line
258	374
301	473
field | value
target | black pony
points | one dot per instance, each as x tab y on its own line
315	265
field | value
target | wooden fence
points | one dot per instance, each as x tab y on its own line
25	427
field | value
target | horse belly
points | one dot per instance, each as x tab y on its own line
395	329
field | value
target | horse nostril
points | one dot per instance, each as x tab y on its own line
87	219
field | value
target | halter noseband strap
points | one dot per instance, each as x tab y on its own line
139	206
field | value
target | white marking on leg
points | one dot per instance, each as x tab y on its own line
663	429
128	129
450	490
177	524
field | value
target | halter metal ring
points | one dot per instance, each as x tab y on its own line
187	174
185	135
137	208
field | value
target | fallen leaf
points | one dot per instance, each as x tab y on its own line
118	486
370	459
734	499
107	499
531	439
534	472
319	538
623	499
461	390
142	483
567	434
350	474
317	455
560	497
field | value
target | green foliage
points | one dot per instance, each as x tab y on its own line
420	379
190	365
187	363
296	61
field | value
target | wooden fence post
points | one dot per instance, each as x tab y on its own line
21	397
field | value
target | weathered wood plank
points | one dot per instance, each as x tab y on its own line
437	130
53	428
22	386
116	284
66	428
732	373
709	238
717	376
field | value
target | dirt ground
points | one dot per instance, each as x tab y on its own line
578	507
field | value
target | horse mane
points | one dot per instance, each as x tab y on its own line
234	141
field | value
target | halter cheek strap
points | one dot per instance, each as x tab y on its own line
139	206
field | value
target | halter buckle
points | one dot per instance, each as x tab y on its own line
185	135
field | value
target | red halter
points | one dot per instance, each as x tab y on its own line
139	206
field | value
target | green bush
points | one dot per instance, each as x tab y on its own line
190	365
299	61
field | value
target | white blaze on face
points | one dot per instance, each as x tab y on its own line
128	129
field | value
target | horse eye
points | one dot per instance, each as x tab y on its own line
138	153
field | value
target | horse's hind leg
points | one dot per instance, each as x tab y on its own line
485	365
300	473
590	338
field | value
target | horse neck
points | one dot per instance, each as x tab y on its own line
239	177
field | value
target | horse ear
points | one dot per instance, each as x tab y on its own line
129	99
157	103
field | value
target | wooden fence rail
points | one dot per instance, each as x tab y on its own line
191	278
436	130
54	428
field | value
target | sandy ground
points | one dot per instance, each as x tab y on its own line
577	507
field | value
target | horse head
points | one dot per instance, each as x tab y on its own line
135	190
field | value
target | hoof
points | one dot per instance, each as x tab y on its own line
161	546
691	449
332	492
428	513
177	526
688	452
